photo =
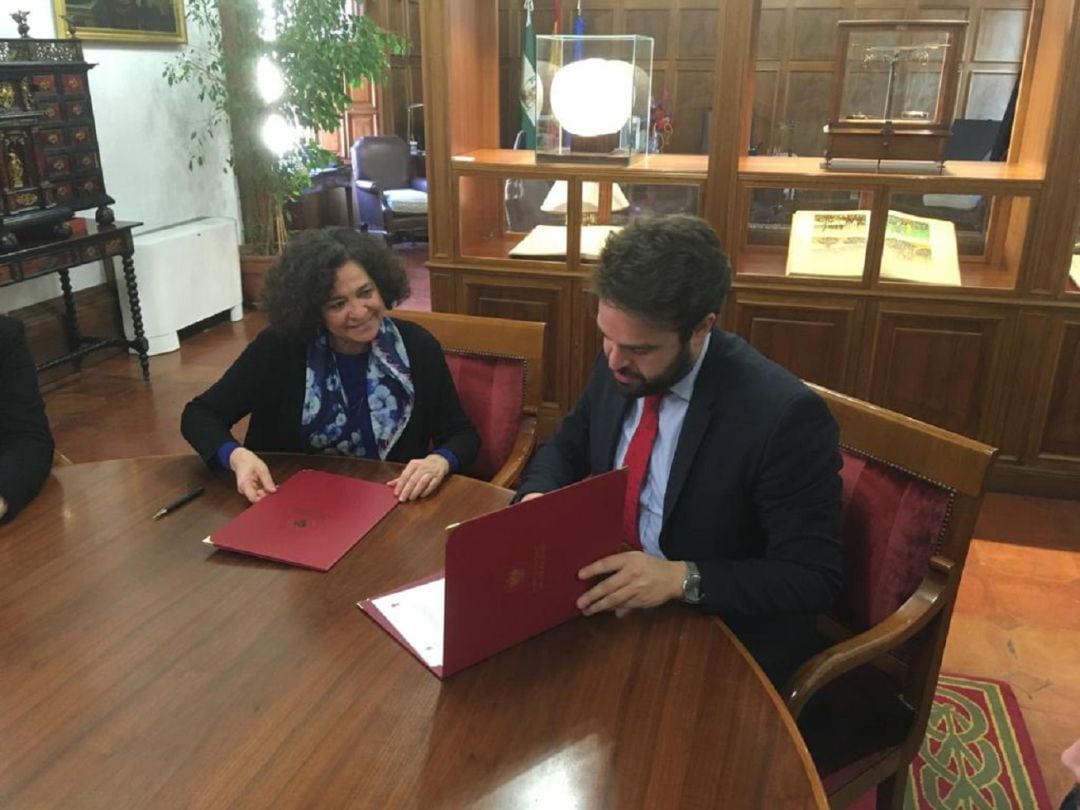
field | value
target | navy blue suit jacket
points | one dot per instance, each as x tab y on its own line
753	497
26	445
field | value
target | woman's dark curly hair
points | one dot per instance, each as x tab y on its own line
302	279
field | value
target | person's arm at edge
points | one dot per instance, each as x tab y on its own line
26	443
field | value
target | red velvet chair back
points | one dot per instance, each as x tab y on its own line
498	370
893	522
911	497
492	392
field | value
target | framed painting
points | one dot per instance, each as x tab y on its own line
121	20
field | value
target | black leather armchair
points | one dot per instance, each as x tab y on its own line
389	200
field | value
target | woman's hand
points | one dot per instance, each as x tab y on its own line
420	477
253	479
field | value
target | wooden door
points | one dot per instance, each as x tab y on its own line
940	363
811	336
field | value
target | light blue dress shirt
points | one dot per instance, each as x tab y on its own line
673	409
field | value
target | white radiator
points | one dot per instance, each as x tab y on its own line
185	273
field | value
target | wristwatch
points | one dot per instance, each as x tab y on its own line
691	586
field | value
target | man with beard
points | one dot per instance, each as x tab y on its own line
733	493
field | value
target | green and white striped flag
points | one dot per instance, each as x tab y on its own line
528	80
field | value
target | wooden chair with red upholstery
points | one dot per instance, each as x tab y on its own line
498	369
911	496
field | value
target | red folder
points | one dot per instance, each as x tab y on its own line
509	575
311	521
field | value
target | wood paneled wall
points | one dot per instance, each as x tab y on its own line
797	48
382	110
405	85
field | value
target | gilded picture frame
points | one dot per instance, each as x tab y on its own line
134	21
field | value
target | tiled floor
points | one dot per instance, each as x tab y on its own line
1017	616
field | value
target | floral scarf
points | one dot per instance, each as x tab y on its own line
327	421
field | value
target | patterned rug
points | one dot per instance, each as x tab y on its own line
977	754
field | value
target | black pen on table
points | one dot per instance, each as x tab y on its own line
172	507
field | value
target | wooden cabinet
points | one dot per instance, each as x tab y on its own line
49	162
817	338
1040	435
499	197
530	298
992	354
941	366
1060	439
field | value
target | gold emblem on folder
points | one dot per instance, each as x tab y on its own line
514	577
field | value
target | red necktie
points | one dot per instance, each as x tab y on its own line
637	465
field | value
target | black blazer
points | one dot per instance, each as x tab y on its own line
268	381
26	445
753	497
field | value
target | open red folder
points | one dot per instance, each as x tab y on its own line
311	521
509	575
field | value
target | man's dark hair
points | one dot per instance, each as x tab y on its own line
670	271
302	279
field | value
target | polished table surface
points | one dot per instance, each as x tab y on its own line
141	668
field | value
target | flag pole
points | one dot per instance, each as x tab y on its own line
528	80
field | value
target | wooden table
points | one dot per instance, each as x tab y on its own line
90	242
140	668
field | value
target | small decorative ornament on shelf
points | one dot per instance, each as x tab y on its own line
20	18
662	127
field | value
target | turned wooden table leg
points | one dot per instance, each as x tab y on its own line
140	343
71	318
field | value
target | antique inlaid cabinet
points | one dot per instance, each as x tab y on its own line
49	163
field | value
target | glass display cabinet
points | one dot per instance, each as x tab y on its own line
592	98
511	208
894	89
942	293
964	229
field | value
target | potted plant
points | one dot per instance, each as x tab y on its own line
318	50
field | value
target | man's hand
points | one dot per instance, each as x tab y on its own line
531	496
636	580
253	479
420	477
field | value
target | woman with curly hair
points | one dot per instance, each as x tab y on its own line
332	373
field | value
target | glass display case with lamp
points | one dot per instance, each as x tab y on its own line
592	98
894	90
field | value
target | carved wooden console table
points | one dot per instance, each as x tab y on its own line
87	244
